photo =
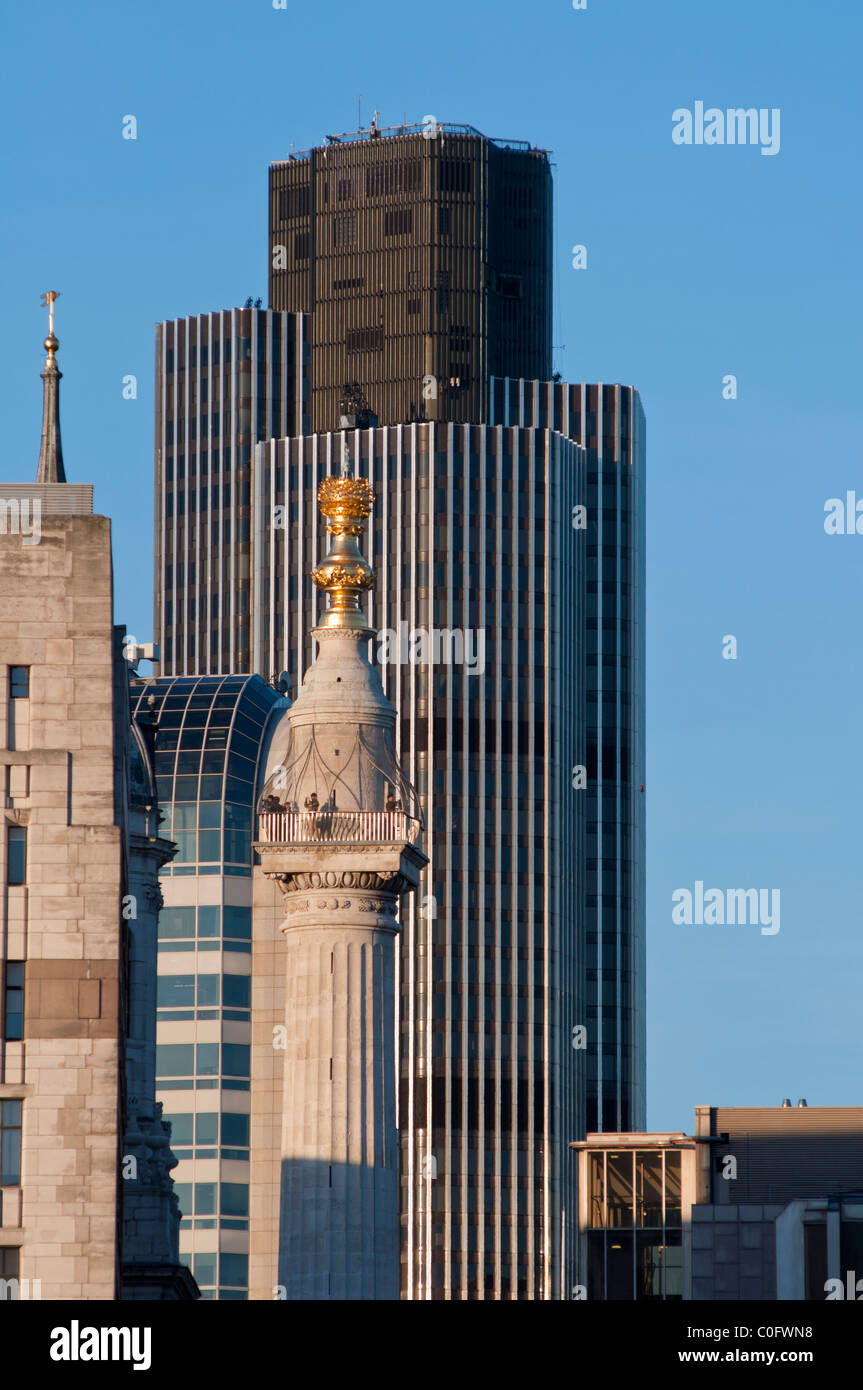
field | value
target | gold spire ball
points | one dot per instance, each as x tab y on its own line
344	575
51	343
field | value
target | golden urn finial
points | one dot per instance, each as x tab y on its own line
344	575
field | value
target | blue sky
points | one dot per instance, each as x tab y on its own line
702	261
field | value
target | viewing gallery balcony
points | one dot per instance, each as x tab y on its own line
338	827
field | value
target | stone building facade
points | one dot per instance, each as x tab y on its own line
88	1210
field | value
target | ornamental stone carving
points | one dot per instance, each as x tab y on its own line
153	897
350	878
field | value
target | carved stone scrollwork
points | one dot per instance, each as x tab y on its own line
285	882
350	878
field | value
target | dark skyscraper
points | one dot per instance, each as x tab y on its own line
425	258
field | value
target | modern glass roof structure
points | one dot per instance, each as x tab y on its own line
212	733
207	749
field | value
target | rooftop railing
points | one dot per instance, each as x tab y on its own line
337	827
352	137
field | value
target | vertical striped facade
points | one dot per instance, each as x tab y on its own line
472	535
223	381
608	421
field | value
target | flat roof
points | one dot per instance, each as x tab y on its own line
390	132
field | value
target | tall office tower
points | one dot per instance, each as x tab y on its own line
479	477
79	855
211	736
338	833
223	381
424	255
609	422
480	606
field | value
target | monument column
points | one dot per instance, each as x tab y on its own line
339	826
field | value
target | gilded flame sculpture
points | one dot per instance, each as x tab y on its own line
344	574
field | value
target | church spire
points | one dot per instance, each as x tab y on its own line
51	468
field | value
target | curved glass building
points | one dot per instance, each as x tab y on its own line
213	732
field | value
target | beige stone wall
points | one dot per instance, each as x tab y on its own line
268	1013
57	777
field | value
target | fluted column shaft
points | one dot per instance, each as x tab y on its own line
339	1180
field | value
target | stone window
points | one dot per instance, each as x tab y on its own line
10	1142
17	855
19	682
13	1012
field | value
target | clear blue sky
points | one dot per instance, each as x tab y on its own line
702	261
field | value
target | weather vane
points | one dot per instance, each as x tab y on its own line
48	299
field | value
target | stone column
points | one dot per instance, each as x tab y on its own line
340	1162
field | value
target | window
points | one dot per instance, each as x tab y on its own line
398	222
208	991
19	682
364	339
10	1142
595	1162
236	991
207	1127
235	1058
619	1189
175	991
399	176
455	176
648	1189
235	1199
181	1129
205	1199
295	202
13	1015
238	923
673	1213
17	854
205	1269
639	1189
234	1269
345	229
176	922
9	1270
235	1130
175	1059
208	921
815	1259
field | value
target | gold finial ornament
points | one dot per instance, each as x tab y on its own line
344	575
51	344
